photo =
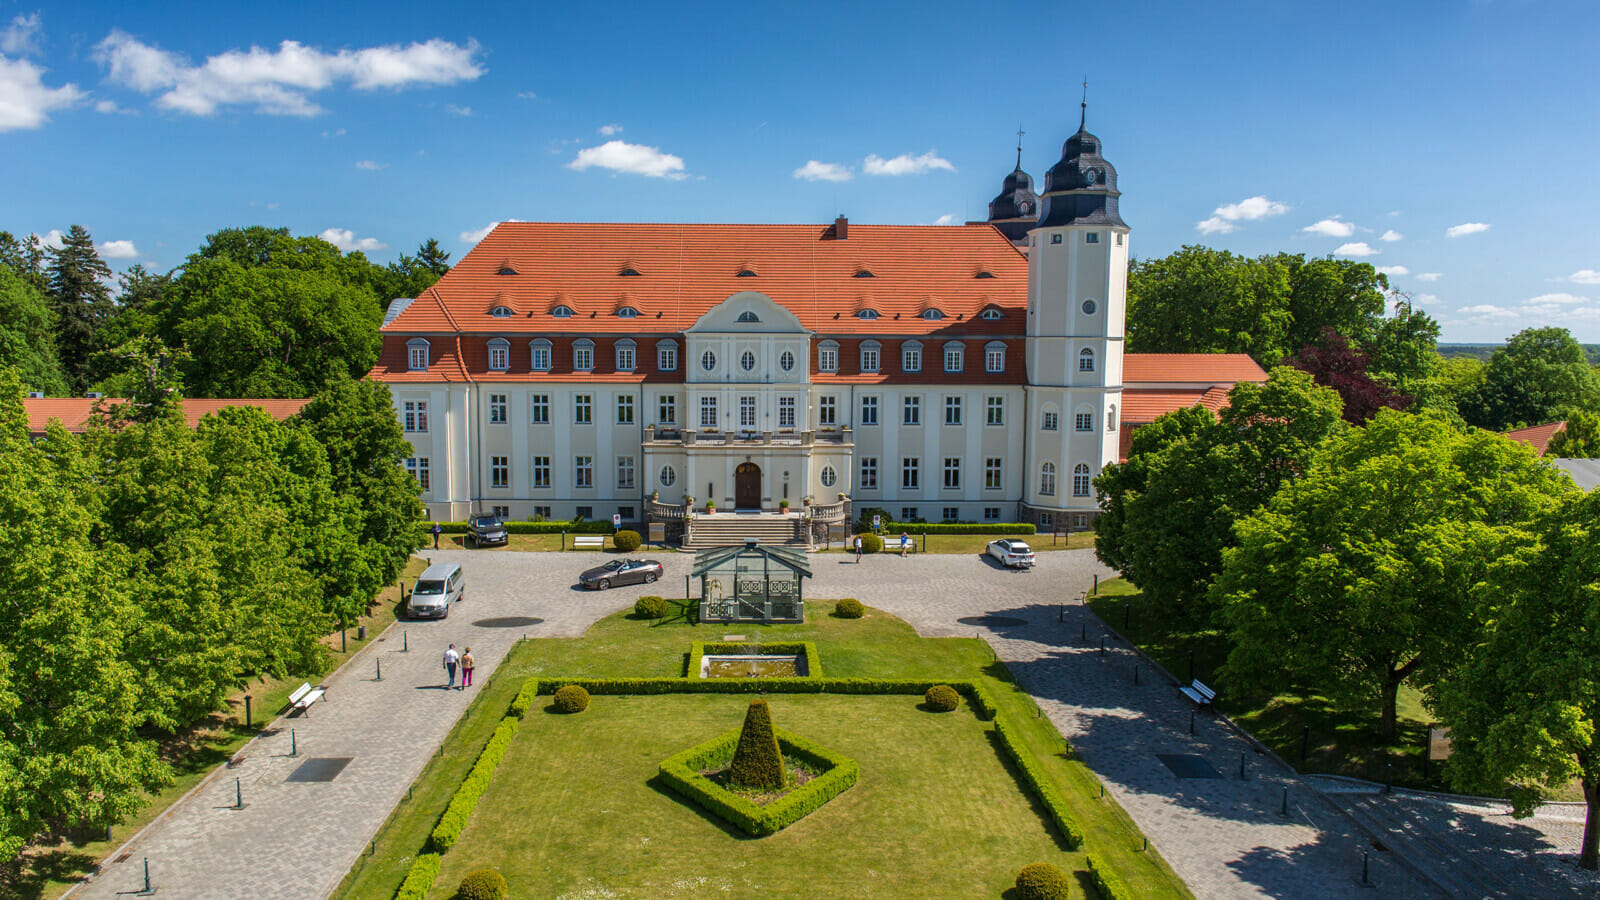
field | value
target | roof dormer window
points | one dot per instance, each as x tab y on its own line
629	272
864	273
748	318
506	270
992	314
746	273
932	314
983	274
627	312
562	312
867	314
501	312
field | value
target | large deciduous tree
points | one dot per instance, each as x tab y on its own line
1525	707
27	335
1337	365
1538	376
80	289
1579	440
1357	578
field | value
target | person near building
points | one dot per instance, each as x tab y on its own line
451	660
436	531
905	544
467	663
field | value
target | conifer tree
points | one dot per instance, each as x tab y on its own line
80	289
757	762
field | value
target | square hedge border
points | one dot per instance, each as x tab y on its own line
681	772
698	650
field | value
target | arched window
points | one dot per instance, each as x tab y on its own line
417	355
562	312
667	356
829	476
627	312
871	353
1111	418
867	314
992	314
1047	479
629	271
932	314
1086	360
864	273
786	361
583	355
746	273
506	270
499	354
994	356
748	318
708	361
1050	419
626	355
983	274
1080	480
668	476
501	312
747	360
539	355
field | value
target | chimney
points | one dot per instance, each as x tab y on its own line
36	395
841	228
94	395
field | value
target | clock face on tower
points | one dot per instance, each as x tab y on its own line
1090	176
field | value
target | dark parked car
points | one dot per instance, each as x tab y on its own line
621	571
487	531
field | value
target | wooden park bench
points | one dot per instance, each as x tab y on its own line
1198	692
589	542
304	696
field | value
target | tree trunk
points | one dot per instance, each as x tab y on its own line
1588	857
1391	695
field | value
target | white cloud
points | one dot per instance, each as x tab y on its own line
1391	236
279	82
527	95
369	165
1490	311
454	110
637	159
609	130
1466	228
1394	270
1331	228
1584	276
21	37
53	239
905	164
1359	248
1248	210
1425	298
815	170
118	250
946	219
110	107
337	132
472	237
1429	276
345	239
1561	299
25	101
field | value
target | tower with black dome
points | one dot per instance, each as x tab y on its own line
1016	210
1077	301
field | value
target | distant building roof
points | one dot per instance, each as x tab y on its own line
74	413
1585	472
1537	435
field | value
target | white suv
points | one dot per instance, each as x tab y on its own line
1015	554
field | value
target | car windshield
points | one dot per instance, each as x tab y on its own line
612	566
1019	547
485	521
429	587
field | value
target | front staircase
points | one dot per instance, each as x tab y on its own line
732	529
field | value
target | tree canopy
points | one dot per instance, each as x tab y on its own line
1539	376
1579	440
80	289
27	334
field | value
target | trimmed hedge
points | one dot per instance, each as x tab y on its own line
419	878
571	698
758	760
849	608
1039	784
598	526
626	541
1042	881
976	694
483	884
455	817
954	528
699	649
525	698
1107	881
942	698
650	607
681	773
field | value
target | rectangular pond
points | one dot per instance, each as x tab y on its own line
752	666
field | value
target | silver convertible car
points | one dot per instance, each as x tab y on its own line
621	571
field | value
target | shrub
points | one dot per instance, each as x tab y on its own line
942	698
572	699
650	607
1107	882
419	878
455	817
626	541
1042	881
1042	787
482	884
870	543
524	700
960	527
849	608
757	761
682	775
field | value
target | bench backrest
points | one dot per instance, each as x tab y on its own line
588	542
299	692
1201	687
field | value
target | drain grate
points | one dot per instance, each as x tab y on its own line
322	768
1188	765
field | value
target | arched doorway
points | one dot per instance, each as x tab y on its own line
747	486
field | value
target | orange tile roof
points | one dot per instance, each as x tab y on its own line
1538	435
1140	407
685	270
1190	368
75	412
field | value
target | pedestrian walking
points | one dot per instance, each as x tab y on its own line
467	662
451	659
858	549
905	544
436	531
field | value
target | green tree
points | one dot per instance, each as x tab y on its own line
1539	376
79	288
1402	351
1342	294
25	258
758	760
1357	577
409	276
1525	708
27	335
1579	440
1200	300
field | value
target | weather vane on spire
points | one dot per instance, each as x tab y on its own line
1083	113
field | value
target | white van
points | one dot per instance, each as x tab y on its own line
437	587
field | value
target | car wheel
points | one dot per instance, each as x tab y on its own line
604	585
651	578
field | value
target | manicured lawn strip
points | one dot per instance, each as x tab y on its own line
1343	742
472	787
974	544
681	773
807	649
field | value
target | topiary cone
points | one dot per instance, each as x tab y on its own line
757	762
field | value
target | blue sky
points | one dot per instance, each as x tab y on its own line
1456	141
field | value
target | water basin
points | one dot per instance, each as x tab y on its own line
752	666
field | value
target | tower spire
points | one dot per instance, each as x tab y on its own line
1020	133
1083	107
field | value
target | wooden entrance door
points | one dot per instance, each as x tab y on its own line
747	486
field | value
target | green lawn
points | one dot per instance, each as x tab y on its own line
573	811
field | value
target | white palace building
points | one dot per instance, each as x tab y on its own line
972	372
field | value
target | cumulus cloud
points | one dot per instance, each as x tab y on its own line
346	240
905	164
1488	310
1247	210
21	37
279	82
454	110
1466	228
815	170
1331	228
118	250
1430	276
472	237
53	239
636	159
1394	270
1584	276
1391	236
946	219
1560	299
1357	248
369	165
25	100
609	130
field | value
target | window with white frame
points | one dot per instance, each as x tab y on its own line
994	357
1051	419
541	471
562	312
541	513
747	361
994	410
908	514
1080	480
951	513
499	471
625	355
583	409
416	415
1084	421
827	357
869	356
1111	415
869	410
667	356
954	357
583	471
667	409
829	476
627	312
1047	479
539	355
910	473
501	312
1086	360
668	476
708	411
584	513
990	315
747	413
952	410
911	411
1091	237
1080	521
786	361
991	513
993	473
911	357
828	411
869	473
583	355
625	473
417	355
708	361
539	409
624	409
499	354
497	409
785	412
748	318
952	473
418	467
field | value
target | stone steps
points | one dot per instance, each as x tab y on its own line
726	530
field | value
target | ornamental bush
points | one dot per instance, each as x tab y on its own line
482	884
571	699
650	608
849	608
757	761
1042	881
942	698
626	541
870	543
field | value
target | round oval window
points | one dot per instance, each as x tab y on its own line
708	360
668	476
747	361
1088	307
829	477
786	361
